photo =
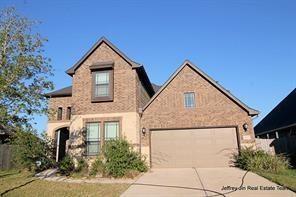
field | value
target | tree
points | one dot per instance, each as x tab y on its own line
24	70
29	149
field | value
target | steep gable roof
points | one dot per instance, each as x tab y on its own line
282	116
251	112
72	70
139	67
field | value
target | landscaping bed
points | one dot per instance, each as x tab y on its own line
116	160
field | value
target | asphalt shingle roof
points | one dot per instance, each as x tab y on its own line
67	91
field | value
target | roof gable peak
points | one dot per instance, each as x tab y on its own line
187	62
103	39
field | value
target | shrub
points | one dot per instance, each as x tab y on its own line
30	149
81	169
81	165
258	160
66	166
97	167
121	158
131	174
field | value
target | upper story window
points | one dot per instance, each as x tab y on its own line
68	113
189	100
60	113
102	82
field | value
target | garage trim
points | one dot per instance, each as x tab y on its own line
203	127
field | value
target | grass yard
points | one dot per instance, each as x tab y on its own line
15	183
286	178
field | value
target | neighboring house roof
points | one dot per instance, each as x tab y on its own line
282	116
67	91
72	70
155	87
251	112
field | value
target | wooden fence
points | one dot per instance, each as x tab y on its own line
5	156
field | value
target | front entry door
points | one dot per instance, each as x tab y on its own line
62	135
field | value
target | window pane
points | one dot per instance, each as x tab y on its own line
102	78
60	113
93	131
102	90
111	130
68	113
189	100
92	148
93	138
186	100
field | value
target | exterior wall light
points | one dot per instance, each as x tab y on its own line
144	131
245	127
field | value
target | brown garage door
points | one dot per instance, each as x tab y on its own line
193	147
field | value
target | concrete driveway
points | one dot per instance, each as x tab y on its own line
204	182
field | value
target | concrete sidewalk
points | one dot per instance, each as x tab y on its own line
204	182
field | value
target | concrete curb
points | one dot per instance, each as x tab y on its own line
92	180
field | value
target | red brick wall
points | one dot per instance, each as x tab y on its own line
213	108
55	103
124	99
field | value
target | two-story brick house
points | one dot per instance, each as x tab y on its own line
190	121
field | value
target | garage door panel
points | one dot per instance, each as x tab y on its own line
193	147
161	159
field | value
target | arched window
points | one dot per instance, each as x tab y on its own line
68	113
60	113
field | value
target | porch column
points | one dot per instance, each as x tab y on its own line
58	145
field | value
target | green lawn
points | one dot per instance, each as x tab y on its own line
286	178
23	184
